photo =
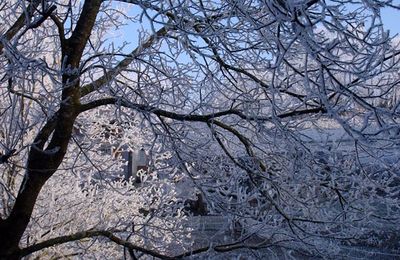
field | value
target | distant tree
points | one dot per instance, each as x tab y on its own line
272	109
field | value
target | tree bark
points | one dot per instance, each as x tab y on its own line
42	164
44	161
12	228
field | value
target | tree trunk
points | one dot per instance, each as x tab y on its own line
43	162
41	165
12	228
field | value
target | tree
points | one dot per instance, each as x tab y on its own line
237	92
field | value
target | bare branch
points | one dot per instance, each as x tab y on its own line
110	75
88	234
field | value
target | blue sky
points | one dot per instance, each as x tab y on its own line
391	20
390	17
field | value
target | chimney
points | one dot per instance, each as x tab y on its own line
141	164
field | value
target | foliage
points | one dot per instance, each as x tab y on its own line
283	115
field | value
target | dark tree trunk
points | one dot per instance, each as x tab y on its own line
44	161
12	228
41	166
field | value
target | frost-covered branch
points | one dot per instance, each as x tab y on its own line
19	23
193	117
111	74
89	234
